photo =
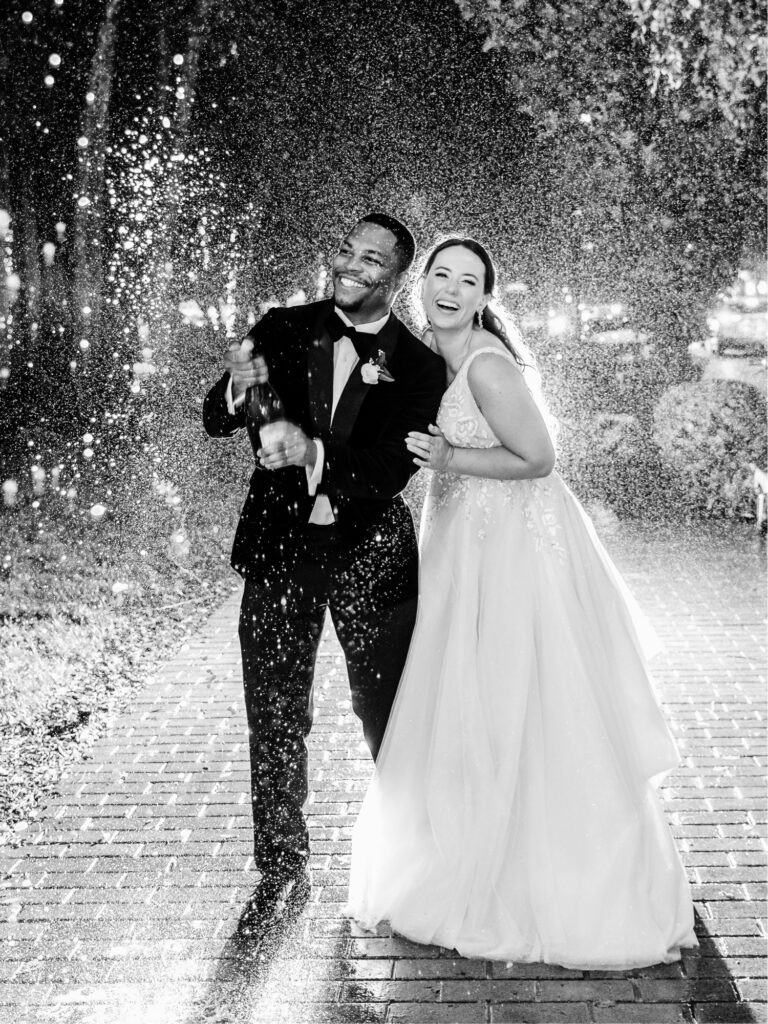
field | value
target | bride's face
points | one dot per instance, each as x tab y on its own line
454	288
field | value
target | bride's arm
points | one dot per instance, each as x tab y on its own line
526	450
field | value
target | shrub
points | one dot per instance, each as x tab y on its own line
584	378
611	459
708	434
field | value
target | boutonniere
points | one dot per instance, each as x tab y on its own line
375	370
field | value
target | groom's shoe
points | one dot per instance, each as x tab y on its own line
276	899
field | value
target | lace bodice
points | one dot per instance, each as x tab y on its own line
483	499
459	417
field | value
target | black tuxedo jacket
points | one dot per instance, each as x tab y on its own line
366	462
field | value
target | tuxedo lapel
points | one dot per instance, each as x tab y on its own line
355	390
320	374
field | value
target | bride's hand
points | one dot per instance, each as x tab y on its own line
432	451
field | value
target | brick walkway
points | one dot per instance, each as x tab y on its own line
122	904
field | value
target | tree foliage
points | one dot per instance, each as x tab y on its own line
614	62
654	111
711	56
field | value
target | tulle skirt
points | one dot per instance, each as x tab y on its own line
513	814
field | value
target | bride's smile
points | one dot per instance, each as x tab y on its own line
453	289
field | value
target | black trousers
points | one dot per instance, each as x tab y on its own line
371	592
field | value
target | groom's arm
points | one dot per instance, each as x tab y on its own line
223	407
383	469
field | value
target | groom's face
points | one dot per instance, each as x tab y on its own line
366	274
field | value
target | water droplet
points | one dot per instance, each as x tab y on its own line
10	492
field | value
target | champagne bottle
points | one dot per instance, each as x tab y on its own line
264	413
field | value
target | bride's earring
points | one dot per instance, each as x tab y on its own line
480	318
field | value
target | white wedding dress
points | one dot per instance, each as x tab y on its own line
512	814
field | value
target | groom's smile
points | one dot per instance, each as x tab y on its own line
365	273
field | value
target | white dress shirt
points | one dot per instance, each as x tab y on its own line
345	359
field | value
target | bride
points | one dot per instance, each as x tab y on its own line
513	813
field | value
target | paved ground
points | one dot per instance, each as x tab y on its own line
122	904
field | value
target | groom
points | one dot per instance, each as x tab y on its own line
324	526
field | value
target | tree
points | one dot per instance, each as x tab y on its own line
654	112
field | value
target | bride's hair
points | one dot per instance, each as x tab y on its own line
496	322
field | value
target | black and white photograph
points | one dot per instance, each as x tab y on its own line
383	472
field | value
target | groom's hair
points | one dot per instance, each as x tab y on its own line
405	243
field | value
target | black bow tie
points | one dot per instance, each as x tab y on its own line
338	329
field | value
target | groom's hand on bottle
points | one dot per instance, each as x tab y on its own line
243	367
292	448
